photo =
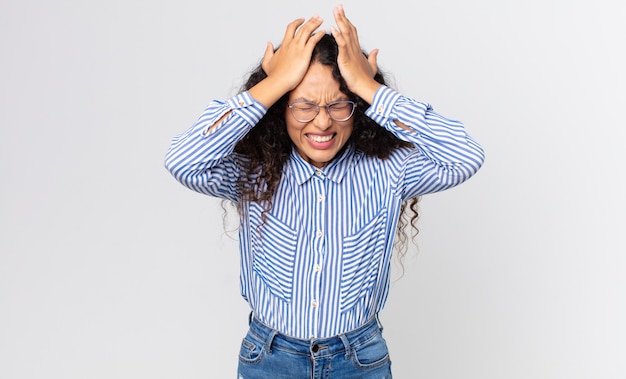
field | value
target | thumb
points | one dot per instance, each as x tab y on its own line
372	59
267	57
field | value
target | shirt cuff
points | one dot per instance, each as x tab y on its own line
245	106
384	100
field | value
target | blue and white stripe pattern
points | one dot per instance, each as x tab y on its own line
319	264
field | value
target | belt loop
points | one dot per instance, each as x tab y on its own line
346	344
269	341
380	325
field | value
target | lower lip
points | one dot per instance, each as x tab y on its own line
321	145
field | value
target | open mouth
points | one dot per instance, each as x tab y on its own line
320	139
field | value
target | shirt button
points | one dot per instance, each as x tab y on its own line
241	103
317	268
320	234
318	173
380	109
314	304
320	197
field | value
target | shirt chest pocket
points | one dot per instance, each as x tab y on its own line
274	247
362	260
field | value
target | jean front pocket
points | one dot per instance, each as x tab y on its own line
372	353
274	247
251	350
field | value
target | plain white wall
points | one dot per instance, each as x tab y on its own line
110	269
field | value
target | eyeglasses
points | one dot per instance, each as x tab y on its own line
306	111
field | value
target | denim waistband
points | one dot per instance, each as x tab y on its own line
317	347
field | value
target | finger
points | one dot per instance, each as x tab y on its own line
267	57
291	28
372	59
347	45
309	27
339	13
269	50
344	25
315	38
338	36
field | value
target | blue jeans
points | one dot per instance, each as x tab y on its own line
359	354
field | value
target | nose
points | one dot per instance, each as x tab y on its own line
323	120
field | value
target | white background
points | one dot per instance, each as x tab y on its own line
111	269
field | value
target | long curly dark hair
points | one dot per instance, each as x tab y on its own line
267	146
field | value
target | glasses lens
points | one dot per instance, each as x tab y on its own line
341	110
304	112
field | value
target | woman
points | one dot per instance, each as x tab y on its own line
321	159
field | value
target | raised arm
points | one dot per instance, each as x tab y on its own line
445	155
202	157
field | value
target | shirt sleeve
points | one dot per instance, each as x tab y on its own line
445	154
202	157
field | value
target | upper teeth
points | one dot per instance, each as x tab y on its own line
321	138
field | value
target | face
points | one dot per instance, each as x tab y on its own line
319	140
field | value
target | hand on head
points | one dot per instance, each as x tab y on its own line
289	63
357	70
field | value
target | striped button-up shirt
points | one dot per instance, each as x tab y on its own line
318	264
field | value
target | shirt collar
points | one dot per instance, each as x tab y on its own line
302	171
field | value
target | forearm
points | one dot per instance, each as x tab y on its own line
194	155
444	142
269	90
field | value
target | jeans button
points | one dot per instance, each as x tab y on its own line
315	348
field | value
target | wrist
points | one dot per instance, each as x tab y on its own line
367	90
268	91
